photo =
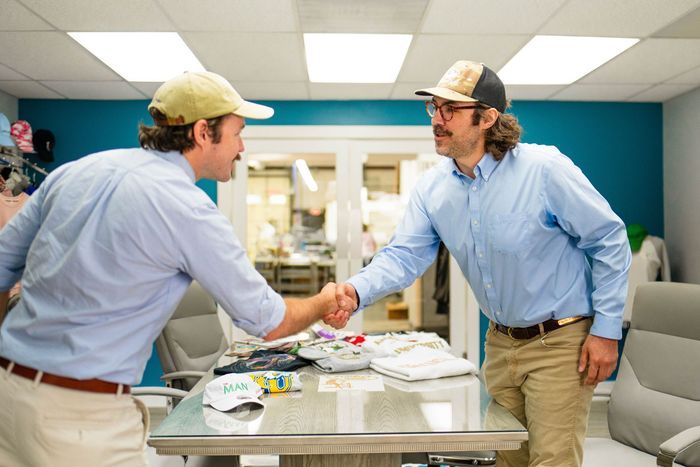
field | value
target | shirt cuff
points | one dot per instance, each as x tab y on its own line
606	326
361	291
277	311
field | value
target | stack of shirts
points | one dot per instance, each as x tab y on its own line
245	347
399	343
337	356
422	363
263	360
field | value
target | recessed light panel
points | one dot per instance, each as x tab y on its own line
561	59
355	58
140	56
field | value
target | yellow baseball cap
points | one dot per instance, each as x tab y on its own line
192	96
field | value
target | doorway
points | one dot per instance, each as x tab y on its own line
364	175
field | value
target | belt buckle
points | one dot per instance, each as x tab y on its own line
510	332
570	320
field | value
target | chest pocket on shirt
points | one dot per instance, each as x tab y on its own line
511	233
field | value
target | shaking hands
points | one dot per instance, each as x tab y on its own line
344	302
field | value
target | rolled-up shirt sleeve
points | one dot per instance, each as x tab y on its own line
213	255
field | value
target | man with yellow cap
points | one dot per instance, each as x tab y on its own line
544	253
106	248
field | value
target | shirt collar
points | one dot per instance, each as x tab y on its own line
484	168
179	160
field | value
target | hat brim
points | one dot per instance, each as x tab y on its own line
253	110
445	93
231	402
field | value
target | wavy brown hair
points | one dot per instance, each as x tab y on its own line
503	135
174	138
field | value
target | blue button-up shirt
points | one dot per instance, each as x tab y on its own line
106	248
531	234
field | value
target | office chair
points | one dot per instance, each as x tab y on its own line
191	341
654	409
188	346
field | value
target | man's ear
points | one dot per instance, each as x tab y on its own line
488	118
200	132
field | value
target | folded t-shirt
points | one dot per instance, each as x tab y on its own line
399	343
422	363
349	361
263	360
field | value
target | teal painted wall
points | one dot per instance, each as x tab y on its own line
617	145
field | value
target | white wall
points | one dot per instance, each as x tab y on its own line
681	187
8	106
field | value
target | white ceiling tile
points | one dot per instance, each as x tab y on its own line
329	91
10	74
16	17
619	18
650	61
102	15
147	89
361	16
94	90
257	44
280	90
662	92
598	92
488	16
431	55
51	56
531	92
406	91
250	57
689	77
688	26
28	90
238	16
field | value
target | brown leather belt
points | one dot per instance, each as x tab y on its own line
90	385
537	329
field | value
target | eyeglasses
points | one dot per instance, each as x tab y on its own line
446	110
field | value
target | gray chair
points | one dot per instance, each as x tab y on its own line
654	409
188	346
191	341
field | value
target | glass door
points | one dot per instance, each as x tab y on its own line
363	176
292	229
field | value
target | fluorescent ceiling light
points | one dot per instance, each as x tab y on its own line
355	58
561	59
140	56
305	173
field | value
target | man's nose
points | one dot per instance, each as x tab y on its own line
437	118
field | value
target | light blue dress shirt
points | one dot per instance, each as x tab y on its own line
531	234
111	242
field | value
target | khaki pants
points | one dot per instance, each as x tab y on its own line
538	381
44	425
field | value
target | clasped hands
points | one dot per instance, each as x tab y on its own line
343	300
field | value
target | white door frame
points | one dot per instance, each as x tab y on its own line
349	143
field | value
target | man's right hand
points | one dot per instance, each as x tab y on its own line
346	298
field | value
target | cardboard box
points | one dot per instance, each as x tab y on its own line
398	310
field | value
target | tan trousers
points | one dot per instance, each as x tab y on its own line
44	425
538	381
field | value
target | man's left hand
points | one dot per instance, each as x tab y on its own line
600	355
